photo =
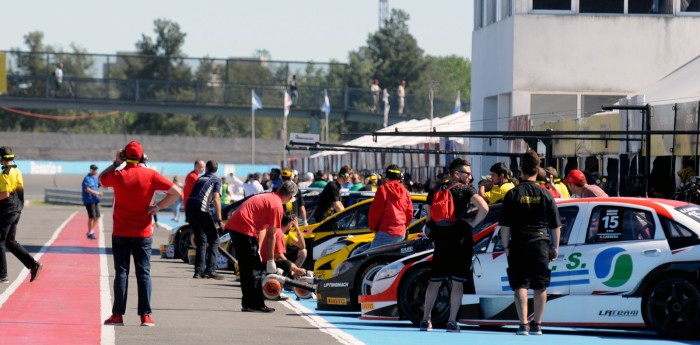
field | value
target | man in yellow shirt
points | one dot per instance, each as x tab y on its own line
501	184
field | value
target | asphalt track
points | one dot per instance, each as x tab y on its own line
67	304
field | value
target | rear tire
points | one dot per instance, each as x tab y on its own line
411	298
672	308
183	242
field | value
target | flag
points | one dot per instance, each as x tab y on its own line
458	105
287	103
326	107
256	102
385	99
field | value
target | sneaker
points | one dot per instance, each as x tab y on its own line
147	321
4	280
282	297
263	309
535	328
213	275
523	329
35	271
426	325
452	327
91	236
198	275
114	320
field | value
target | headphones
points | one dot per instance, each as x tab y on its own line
8	157
142	160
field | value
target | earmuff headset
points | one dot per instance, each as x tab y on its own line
122	155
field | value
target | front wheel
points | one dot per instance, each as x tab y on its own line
672	308
412	296
182	242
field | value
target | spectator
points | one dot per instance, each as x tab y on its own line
356	182
178	203
401	92
294	88
308	178
294	209
225	193
453	243
91	199
553	175
371	185
58	78
319	181
527	212
275	179
375	90
205	194
329	201
391	211
11	204
387	107
134	189
546	183
252	186
500	184
576	182
348	181
190	180
262	212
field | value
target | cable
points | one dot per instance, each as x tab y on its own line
59	117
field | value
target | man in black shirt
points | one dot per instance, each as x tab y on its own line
329	201
205	192
528	211
454	245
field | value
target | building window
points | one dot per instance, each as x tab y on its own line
591	103
478	14
598	6
690	5
505	9
650	6
552	108
490	12
551	5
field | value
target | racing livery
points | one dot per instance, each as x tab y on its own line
623	262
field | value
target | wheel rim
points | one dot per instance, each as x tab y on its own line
368	280
416	297
673	306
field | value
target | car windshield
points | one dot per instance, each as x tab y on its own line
692	211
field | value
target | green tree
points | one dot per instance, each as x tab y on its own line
454	74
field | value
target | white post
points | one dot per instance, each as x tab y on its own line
252	131
327	126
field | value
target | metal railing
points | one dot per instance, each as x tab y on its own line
68	196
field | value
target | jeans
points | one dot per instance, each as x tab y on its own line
250	267
207	240
8	229
381	238
122	250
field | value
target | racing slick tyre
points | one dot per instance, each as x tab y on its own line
412	296
672	308
365	279
183	241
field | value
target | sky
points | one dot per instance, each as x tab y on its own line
303	30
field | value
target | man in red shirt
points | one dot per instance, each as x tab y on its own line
262	212
391	211
191	179
288	267
134	188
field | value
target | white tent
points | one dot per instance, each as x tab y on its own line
679	86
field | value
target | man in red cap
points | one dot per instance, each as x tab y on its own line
576	182
134	190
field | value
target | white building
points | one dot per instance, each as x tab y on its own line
563	59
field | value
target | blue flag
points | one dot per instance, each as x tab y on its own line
326	107
458	105
256	102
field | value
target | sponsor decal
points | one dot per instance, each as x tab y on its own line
336	285
336	301
621	269
367	306
618	313
406	250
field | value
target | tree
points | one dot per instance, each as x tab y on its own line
454	74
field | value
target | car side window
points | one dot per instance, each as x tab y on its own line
612	224
568	218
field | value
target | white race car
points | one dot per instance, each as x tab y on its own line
623	262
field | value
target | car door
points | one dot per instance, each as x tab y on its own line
617	246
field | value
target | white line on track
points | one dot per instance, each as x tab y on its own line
25	272
107	336
320	323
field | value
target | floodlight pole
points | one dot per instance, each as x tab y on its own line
646	111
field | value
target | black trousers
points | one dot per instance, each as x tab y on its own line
8	229
250	267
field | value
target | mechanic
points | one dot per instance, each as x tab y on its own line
190	180
134	190
11	204
391	211
452	258
553	176
329	200
528	211
205	194
371	185
544	182
289	268
576	182
501	184
261	212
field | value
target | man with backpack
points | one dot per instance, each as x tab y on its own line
452	237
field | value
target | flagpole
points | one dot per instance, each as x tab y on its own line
327	136
284	142
252	132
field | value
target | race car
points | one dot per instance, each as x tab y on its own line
623	262
354	276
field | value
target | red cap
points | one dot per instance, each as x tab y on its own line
576	177
133	150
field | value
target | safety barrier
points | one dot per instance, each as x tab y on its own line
67	196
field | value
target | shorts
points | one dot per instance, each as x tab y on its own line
528	265
291	253
452	259
93	210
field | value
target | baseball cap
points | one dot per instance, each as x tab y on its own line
343	173
133	150
576	177
286	173
373	178
93	167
